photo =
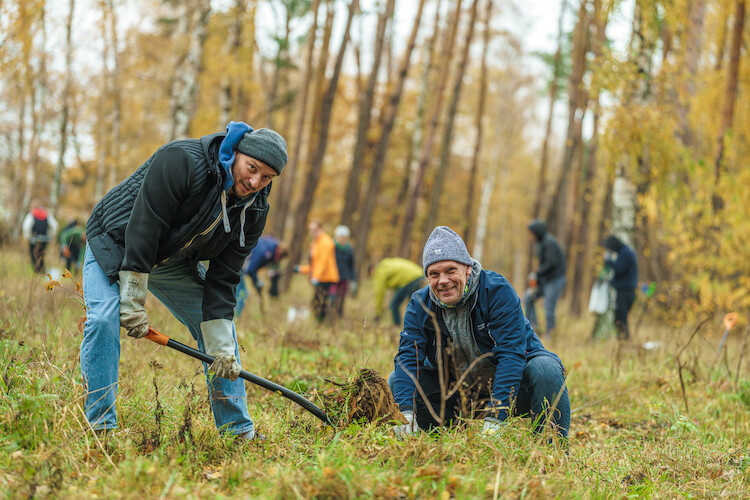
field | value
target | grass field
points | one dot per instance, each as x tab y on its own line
635	431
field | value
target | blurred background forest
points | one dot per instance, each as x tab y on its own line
400	115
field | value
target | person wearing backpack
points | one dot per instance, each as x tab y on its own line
39	228
468	329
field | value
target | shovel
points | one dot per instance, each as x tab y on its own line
162	339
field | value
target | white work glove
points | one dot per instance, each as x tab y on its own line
493	425
353	287
133	317
405	430
218	341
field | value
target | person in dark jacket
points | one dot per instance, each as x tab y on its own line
267	253
193	200
39	227
467	327
550	276
347	273
622	260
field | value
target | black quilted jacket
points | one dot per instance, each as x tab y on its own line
163	206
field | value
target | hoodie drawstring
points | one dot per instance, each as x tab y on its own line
224	216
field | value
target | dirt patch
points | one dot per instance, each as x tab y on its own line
366	397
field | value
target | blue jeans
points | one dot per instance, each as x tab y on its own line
542	380
176	286
400	296
551	291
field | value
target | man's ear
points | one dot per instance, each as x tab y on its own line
468	272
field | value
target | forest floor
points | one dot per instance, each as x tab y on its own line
663	422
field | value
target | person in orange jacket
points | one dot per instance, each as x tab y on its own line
323	272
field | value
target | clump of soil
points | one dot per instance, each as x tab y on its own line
366	397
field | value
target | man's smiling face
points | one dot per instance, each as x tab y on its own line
448	280
250	175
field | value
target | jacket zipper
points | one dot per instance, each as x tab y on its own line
203	233
213	225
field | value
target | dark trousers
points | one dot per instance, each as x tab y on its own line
400	296
321	303
542	380
36	250
623	302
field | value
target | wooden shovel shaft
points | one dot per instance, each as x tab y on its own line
308	405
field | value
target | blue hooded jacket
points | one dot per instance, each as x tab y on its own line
499	327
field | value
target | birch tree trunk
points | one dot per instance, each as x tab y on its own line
362	230
469	210
437	188
54	198
283	201
426	153
36	84
352	193
186	73
231	82
316	166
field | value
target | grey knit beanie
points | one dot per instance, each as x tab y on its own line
265	145
444	244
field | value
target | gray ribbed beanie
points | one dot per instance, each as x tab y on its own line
265	145
444	244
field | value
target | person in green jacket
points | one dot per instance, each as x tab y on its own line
401	275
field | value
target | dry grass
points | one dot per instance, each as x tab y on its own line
631	434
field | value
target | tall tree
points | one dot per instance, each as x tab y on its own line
193	26
286	182
730	97
437	188
316	166
578	257
64	112
557	213
352	193
115	89
468	236
416	139
231	81
426	152
362	230
541	185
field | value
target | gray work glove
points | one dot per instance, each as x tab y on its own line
405	430
493	426
218	341
133	317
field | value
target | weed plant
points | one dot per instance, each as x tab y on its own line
634	431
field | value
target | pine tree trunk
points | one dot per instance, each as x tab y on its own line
283	201
468	236
352	193
541	186
557	214
362	229
437	188
426	153
316	165
416	139
730	97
